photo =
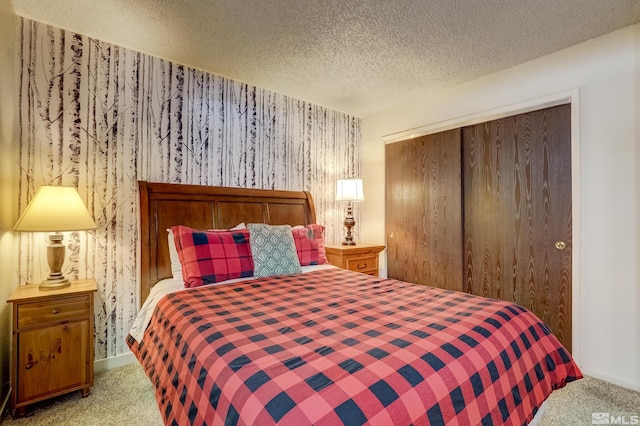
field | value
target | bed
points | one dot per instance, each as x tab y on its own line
326	346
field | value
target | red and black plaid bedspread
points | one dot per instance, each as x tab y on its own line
337	347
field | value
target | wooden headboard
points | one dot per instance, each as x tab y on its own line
163	205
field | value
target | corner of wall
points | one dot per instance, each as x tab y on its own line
637	189
8	187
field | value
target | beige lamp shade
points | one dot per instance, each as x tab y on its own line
55	209
349	190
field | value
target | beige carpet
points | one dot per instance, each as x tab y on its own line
124	396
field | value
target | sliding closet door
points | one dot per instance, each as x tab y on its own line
423	210
517	213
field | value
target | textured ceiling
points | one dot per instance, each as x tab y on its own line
356	56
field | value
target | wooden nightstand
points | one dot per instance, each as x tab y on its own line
52	342
360	258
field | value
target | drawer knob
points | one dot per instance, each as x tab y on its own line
362	267
55	311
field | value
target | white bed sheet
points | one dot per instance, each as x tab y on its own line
171	285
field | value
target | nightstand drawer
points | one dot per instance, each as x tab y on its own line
364	264
53	311
359	258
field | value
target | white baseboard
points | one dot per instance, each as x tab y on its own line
105	364
623	383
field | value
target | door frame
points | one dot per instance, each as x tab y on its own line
568	97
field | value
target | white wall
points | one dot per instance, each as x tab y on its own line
8	182
606	73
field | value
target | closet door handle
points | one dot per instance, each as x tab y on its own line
560	245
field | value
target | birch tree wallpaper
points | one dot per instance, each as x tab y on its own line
101	117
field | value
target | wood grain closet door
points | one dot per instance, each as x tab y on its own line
423	210
517	213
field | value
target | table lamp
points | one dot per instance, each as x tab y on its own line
55	209
349	190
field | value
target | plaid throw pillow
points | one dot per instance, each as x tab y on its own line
212	256
273	250
310	244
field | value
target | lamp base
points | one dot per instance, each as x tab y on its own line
55	257
54	283
349	222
